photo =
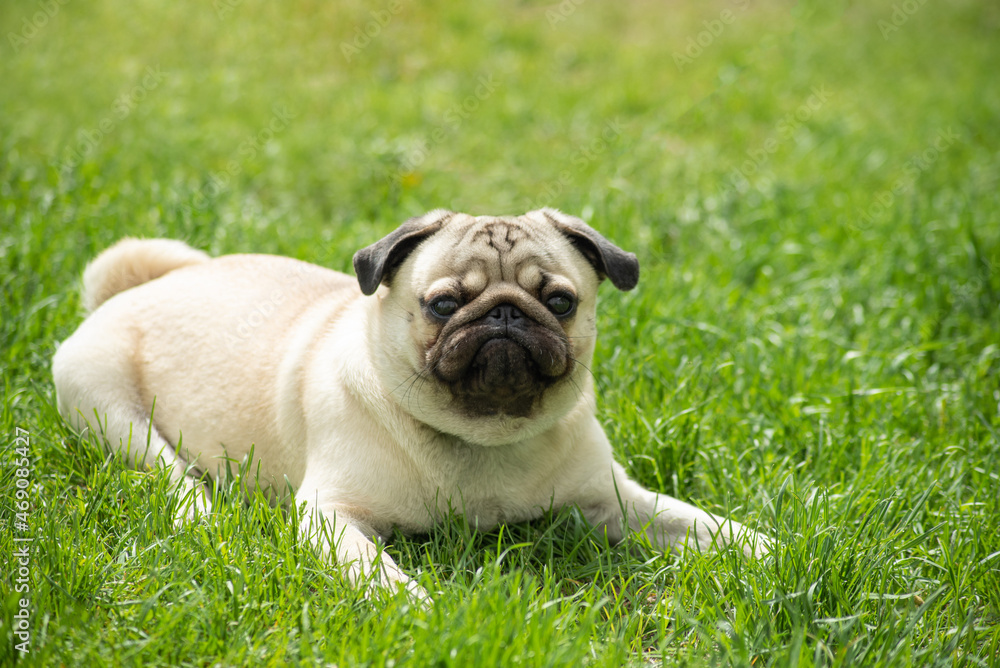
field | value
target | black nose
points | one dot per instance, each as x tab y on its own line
506	314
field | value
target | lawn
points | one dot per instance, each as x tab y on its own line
813	191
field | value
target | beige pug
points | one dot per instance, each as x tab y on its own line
457	376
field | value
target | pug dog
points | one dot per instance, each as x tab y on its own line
451	374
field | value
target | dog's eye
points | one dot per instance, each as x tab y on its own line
444	307
561	304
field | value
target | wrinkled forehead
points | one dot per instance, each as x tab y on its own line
483	250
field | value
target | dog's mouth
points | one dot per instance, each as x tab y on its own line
502	363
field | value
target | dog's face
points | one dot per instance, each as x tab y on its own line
486	325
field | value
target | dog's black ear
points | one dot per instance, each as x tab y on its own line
378	262
609	260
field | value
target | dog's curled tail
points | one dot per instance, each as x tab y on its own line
131	262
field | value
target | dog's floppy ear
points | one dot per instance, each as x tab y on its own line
378	262
609	260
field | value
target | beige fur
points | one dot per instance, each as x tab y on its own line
333	391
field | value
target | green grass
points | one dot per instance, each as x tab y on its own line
807	349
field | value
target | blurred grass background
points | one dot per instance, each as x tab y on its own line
811	188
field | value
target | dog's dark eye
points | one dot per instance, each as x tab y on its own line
444	307
561	304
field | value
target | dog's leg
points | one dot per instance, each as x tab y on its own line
140	441
93	390
668	522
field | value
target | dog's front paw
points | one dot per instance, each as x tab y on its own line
418	594
756	544
386	579
191	507
705	536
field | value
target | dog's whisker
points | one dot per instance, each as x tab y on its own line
422	379
579	390
398	312
406	380
589	370
417	379
413	379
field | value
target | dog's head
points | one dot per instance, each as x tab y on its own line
486	325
